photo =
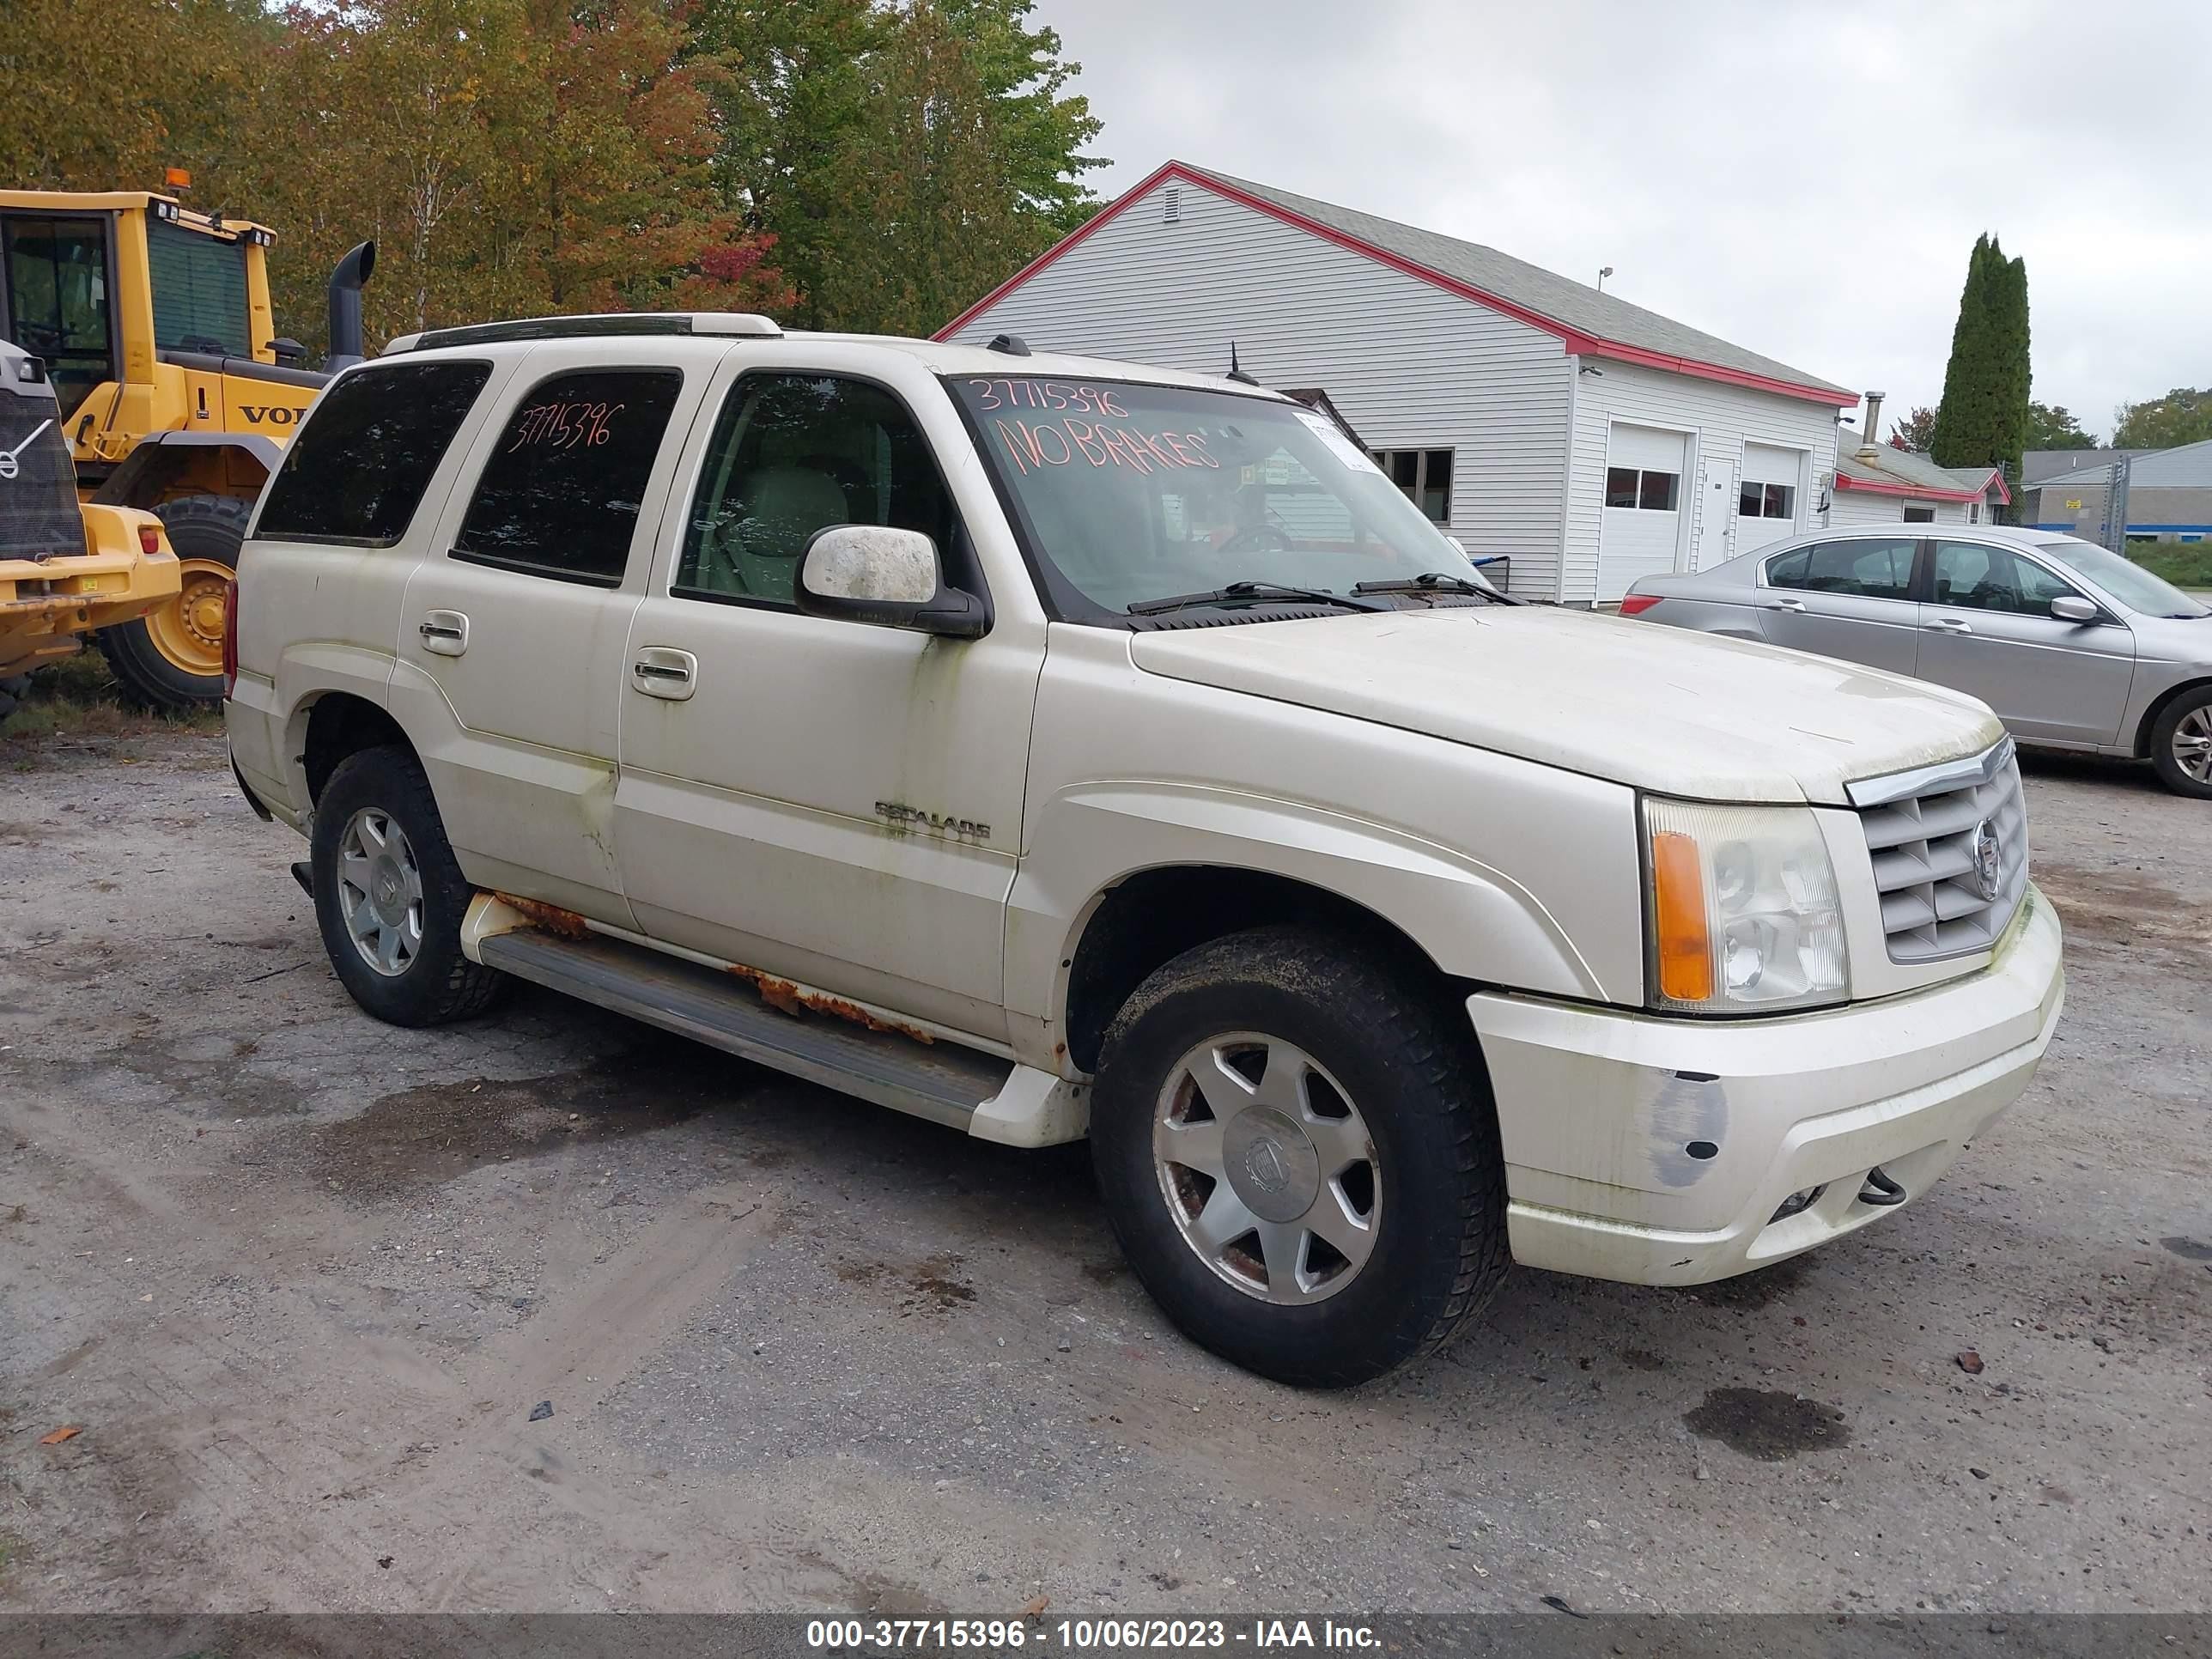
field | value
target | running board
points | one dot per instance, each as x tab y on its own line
945	1082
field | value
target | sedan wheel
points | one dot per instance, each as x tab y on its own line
2192	745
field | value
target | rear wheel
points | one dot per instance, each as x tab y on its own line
2181	745
1300	1157
390	896
171	658
11	692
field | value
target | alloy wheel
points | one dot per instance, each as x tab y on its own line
381	891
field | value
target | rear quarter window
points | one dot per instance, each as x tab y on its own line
357	472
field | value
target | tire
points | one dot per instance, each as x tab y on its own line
172	659
1283	1004
410	888
12	692
2181	743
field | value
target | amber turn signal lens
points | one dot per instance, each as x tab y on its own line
1678	891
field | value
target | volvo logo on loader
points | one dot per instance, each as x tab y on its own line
269	413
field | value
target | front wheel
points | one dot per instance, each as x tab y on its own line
171	658
1299	1154
2181	745
390	896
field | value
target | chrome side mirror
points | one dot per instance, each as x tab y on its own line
892	578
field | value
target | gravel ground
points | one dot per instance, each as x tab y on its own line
300	1280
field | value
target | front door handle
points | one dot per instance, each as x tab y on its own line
1785	605
1948	625
660	671
445	632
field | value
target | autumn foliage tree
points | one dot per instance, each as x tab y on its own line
868	164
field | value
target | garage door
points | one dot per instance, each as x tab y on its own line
1644	496
1766	495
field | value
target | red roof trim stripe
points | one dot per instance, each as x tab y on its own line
1574	340
1845	482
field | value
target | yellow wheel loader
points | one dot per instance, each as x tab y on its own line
175	394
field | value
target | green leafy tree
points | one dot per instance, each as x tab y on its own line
1916	432
1983	418
2184	415
2050	426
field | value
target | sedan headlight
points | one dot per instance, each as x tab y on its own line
1743	911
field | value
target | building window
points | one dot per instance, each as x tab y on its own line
1768	501
1973	512
1425	476
1916	513
1646	489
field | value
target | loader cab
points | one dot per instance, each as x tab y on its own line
106	285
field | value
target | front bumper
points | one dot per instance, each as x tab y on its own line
1658	1151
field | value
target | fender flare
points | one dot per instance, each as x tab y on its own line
137	481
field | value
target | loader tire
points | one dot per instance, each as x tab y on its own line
171	660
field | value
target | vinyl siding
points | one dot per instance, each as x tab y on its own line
1410	366
1719	419
1861	506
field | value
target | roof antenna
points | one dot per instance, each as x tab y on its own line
1236	373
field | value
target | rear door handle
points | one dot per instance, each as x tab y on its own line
445	632
1785	605
660	671
1948	625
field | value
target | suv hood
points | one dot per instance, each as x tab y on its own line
1678	713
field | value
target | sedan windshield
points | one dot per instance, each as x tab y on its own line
1132	494
2124	579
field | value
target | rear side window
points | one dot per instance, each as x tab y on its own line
357	470
561	494
1868	568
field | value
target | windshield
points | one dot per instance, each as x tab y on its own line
2124	579
1131	493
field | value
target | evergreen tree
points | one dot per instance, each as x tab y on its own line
1983	418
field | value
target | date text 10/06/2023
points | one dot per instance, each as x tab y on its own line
1088	1635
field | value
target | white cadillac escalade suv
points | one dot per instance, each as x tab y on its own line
1050	746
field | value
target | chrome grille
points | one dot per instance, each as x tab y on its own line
1921	829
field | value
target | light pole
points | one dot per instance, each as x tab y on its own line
1603	271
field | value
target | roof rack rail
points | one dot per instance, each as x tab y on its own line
744	323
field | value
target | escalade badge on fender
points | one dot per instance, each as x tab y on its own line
1988	862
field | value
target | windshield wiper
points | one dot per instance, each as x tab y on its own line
1432	582
1251	593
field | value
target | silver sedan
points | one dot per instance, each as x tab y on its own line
2072	645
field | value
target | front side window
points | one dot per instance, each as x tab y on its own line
357	473
1867	567
561	494
1129	493
199	291
1645	489
792	454
1974	576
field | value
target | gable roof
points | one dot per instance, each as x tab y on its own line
2041	463
2185	466
1587	322
1887	470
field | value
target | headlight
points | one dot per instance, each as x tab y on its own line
1742	907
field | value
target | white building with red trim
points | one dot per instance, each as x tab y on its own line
1880	483
1588	440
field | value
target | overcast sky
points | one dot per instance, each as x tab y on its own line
1804	179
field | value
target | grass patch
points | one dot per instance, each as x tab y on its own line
2185	564
78	698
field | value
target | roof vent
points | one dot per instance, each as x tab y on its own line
1011	344
1871	440
1172	205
